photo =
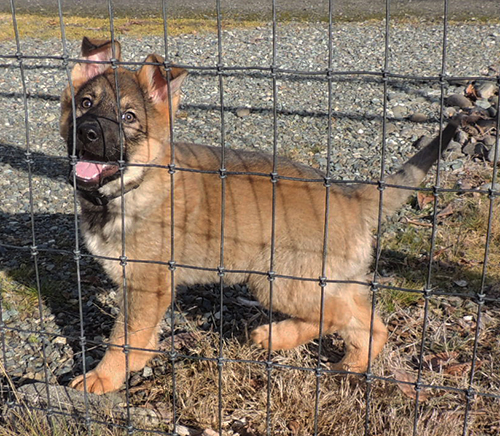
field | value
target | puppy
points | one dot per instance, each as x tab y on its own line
137	134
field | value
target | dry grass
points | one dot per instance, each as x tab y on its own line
292	408
45	27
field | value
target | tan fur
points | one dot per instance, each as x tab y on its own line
300	212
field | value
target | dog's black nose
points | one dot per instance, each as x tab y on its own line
88	132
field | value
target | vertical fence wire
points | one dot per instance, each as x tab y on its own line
33	249
480	295
381	187
76	252
327	184
173	353
123	257
437	184
223	180
272	249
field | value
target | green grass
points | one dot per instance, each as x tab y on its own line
20	291
16	295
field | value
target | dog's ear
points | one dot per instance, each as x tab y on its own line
159	83
94	50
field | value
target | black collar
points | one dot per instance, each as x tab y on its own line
98	199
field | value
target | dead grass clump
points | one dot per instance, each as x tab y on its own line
295	393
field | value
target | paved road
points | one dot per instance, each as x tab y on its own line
312	9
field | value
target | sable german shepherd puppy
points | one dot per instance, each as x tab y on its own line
147	104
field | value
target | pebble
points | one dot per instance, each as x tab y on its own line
419	117
491	155
60	340
147	372
486	186
475	149
483	103
461	137
490	140
485	90
454	151
182	430
449	112
399	111
243	112
390	128
458	100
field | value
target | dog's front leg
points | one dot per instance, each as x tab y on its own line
145	311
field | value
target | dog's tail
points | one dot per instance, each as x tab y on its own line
410	175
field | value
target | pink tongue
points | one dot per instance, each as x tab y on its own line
88	170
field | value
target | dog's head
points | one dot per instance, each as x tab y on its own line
117	114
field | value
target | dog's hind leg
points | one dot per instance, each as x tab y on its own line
348	314
357	333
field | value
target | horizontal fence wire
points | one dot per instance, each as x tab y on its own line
385	77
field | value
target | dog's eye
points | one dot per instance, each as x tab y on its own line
128	117
86	103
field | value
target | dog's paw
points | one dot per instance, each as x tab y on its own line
260	336
285	335
96	383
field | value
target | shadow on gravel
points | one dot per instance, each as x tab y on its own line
53	167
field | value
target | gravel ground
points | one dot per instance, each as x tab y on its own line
302	103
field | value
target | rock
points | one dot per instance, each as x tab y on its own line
407	132
7	315
135	380
243	112
475	149
89	361
485	89
422	142
182	430
450	111
490	140
458	100
390	128
454	151
492	112
461	137
419	117
456	165
494	100
487	185
399	111
483	103
398	96
491	155
487	124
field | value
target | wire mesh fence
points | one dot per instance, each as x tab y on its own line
439	376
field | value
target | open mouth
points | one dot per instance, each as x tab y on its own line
90	171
